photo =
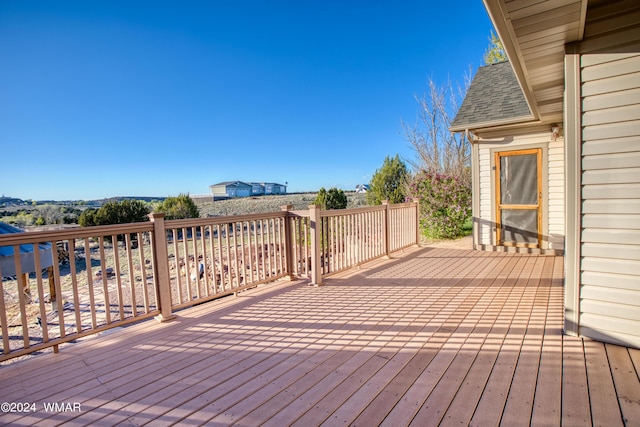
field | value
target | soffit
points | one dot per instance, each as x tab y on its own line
534	34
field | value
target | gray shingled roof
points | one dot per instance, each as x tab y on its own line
494	96
235	183
26	253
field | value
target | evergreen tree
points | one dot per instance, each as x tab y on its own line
332	199
495	52
336	199
389	182
321	199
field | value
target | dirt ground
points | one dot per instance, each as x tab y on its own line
462	243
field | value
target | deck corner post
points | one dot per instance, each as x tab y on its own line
316	267
289	239
161	267
387	229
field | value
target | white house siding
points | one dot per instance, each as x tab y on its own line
486	231
610	230
553	179
218	190
555	193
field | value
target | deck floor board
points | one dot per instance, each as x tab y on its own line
430	337
602	393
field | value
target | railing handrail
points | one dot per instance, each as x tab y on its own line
214	220
31	237
401	205
343	212
299	213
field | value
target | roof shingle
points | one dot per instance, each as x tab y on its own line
494	96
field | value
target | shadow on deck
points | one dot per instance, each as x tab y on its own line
433	336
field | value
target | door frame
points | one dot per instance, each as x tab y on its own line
497	196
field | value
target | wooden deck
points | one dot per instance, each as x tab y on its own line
433	336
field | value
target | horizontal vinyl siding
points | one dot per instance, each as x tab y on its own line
618	206
611	250
624	312
556	227
608	328
615	284
611	191
614	296
610	146
613	99
616	235
485	227
622	221
614	130
600	71
607	162
611	265
553	228
610	238
611	85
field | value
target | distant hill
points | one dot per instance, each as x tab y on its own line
264	204
26	213
121	198
11	201
14	201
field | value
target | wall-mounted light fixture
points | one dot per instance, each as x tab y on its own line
555	131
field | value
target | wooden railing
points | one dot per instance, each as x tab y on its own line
402	226
79	282
350	238
211	257
87	280
300	238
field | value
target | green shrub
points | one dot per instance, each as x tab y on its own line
21	219
123	212
87	218
180	207
332	199
445	204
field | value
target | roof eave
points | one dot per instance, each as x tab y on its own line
496	124
527	69
500	19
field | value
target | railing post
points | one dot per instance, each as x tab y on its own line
416	201
387	229
289	238
316	267
161	267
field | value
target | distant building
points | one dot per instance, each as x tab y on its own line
233	189
273	188
257	189
362	188
230	189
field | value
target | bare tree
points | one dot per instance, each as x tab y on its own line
437	149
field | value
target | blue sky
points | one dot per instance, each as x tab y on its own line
156	98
